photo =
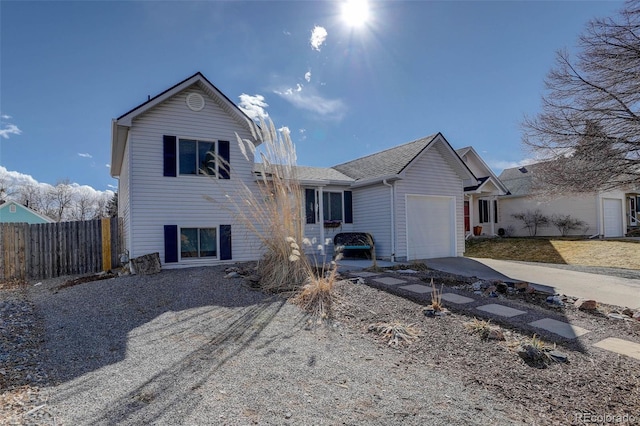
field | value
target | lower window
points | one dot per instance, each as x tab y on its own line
198	242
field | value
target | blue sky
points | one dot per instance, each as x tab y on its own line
470	70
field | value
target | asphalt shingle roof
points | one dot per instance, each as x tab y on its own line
518	180
388	162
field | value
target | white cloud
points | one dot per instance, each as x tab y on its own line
500	165
107	165
5	117
285	32
328	108
303	134
10	129
318	36
253	106
112	186
307	76
85	155
18	180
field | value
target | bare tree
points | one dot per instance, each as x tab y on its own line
61	196
589	127
83	206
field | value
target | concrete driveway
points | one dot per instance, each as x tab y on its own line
608	289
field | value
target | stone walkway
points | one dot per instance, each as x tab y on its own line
402	283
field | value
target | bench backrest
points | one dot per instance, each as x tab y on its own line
353	239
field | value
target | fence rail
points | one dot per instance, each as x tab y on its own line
49	250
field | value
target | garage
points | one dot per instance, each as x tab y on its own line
612	215
431	230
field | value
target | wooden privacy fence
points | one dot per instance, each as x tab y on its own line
49	250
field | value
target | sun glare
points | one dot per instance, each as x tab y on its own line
355	13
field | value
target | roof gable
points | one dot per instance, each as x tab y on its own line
481	170
394	161
120	126
21	215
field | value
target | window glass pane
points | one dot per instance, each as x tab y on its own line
189	242
336	205
208	242
206	157
187	157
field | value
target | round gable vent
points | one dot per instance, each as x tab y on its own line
195	101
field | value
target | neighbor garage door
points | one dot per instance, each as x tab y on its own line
612	217
430	227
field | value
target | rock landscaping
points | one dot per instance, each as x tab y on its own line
203	346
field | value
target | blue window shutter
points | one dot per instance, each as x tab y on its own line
225	242
170	243
348	207
310	205
169	143
225	160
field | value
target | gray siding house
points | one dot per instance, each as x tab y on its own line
410	198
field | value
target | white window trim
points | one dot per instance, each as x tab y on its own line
12	208
198	259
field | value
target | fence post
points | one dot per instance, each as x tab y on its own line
106	244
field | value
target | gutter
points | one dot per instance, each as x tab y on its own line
393	224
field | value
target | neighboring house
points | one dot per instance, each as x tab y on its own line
14	212
410	198
606	214
480	199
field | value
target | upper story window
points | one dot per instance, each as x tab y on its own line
12	208
197	157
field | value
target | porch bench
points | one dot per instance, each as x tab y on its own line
353	241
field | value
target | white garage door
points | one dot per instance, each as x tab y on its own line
612	217
430	227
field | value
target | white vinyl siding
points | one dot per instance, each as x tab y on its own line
430	174
124	198
372	214
584	208
158	200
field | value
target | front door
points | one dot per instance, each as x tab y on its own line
467	222
632	205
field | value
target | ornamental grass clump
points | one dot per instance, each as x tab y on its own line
397	333
272	210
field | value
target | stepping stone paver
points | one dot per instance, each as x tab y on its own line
417	288
389	281
503	311
562	328
364	274
623	347
456	298
406	271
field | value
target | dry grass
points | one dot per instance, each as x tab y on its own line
480	327
396	332
607	253
436	297
317	296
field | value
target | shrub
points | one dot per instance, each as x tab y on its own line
532	220
566	224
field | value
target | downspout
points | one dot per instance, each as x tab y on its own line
393	221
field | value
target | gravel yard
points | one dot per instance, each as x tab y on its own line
191	347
